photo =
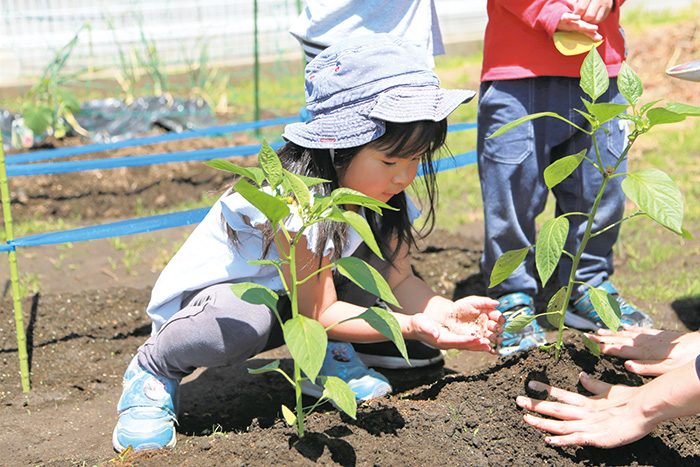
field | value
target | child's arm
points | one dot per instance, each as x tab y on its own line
444	323
615	415
318	300
649	351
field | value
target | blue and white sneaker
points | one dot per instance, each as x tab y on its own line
582	315
342	361
147	411
513	305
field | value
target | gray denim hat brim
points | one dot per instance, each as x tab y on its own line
355	86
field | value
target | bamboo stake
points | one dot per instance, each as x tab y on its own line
14	276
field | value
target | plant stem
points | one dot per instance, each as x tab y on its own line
295	313
14	276
582	247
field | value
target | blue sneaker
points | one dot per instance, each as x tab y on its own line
147	411
342	361
582	315
513	305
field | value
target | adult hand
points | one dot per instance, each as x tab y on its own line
649	351
613	417
592	11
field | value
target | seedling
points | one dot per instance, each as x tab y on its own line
49	105
652	190
277	193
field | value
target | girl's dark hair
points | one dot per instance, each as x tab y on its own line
402	140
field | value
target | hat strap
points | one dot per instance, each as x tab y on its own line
332	151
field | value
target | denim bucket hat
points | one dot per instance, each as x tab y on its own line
356	85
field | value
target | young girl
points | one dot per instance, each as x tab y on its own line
377	113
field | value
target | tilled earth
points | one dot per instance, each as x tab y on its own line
87	319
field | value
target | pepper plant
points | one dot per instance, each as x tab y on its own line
306	338
652	190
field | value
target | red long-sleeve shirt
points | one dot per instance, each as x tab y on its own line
518	42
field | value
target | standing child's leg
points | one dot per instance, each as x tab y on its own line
513	193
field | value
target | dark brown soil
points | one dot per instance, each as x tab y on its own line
88	319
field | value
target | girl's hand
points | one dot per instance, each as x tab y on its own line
473	323
649	352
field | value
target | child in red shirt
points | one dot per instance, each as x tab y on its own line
523	73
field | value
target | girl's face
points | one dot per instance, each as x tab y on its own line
374	173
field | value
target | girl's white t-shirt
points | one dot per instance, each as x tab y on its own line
209	257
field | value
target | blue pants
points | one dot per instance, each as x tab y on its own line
511	168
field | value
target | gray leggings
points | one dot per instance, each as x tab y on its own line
216	328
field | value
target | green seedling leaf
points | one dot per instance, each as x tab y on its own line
506	264
37	118
271	165
254	173
311	181
289	416
591	345
636	119
683	109
629	84
306	340
594	75
366	277
299	188
349	196
661	115
687	235
272	208
589	118
387	325
255	294
606	306
527	118
648	105
556	307
68	99
321	204
519	322
340	392
605	110
358	223
562	168
272	366
657	196
550	243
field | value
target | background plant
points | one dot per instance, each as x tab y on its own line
651	189
306	338
49	105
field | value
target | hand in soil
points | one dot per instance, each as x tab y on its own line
650	352
616	414
472	324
